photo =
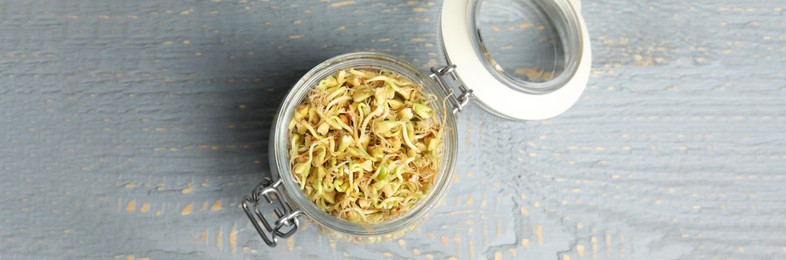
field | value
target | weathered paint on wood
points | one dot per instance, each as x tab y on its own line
131	130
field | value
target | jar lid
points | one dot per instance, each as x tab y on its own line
523	59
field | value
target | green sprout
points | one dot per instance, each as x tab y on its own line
365	145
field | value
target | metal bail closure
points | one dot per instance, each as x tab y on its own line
458	102
286	222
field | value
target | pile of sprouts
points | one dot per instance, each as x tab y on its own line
365	145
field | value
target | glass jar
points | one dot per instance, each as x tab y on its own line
497	89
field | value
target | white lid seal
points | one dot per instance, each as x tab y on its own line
551	79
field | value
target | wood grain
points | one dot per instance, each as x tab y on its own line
132	129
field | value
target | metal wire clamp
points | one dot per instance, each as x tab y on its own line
286	222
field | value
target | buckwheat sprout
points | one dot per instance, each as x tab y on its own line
365	145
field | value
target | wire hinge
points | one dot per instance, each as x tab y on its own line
465	94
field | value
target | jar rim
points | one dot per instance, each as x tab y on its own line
279	157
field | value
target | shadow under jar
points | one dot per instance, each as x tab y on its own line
543	82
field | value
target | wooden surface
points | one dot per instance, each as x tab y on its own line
131	130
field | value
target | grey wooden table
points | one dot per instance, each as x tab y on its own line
132	129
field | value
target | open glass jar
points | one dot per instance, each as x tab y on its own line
542	78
